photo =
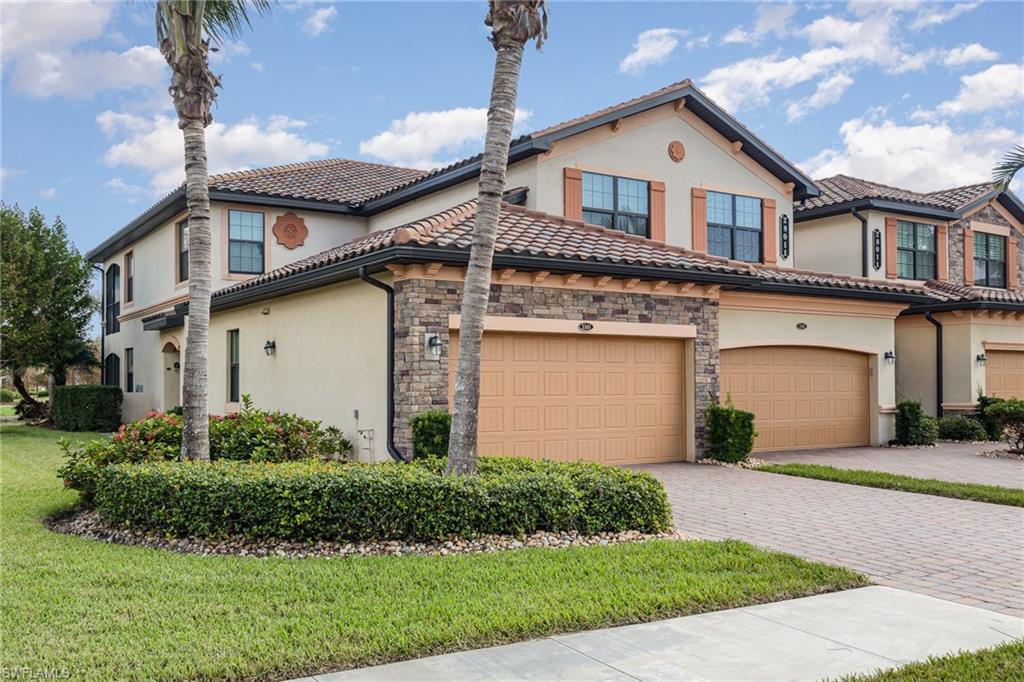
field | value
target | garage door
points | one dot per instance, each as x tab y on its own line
611	399
801	397
1004	373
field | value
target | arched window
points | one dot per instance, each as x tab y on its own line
112	370
112	297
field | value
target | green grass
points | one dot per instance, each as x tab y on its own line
104	611
7	410
1013	497
1004	662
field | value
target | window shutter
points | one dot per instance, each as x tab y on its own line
1011	261
890	248
657	208
969	257
573	193
699	219
942	253
768	232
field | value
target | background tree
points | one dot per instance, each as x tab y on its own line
1008	167
45	298
513	23
184	29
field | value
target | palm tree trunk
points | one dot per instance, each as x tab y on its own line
195	437
477	287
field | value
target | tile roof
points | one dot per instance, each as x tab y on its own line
840	189
950	292
525	232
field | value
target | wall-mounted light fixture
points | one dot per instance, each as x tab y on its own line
981	359
890	357
433	345
270	347
801	326
177	366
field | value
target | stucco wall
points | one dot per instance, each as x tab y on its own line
915	362
870	335
830	244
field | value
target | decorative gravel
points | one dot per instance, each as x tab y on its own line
749	463
1002	454
88	524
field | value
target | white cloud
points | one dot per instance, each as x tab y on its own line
653	46
6	173
829	91
256	66
999	86
922	157
738	36
775	18
319	20
41	41
228	49
48	193
700	41
965	54
131	193
934	14
417	140
154	146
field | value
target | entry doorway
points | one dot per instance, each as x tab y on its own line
172	375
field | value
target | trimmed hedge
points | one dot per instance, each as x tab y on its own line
430	433
731	432
992	426
357	502
87	408
961	429
1009	414
913	426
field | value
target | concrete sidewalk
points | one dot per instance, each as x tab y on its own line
830	635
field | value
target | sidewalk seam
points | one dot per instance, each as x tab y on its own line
596	660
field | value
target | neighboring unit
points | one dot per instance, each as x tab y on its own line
646	265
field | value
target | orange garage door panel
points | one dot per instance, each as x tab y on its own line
611	399
801	397
1004	373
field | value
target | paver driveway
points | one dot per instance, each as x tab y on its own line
968	552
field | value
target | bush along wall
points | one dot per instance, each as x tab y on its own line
961	429
992	426
87	408
731	432
913	426
430	431
1009	414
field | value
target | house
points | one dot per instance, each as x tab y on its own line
968	244
650	260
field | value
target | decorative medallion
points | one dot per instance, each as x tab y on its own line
676	151
290	230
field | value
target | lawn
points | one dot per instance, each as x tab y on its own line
7	411
1004	662
1013	497
102	611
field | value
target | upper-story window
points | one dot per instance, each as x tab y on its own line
734	226
129	277
915	250
182	240
245	242
989	260
113	299
616	203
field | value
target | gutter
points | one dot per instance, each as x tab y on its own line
392	450
938	362
889	205
863	239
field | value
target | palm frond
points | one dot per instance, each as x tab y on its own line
1006	169
221	19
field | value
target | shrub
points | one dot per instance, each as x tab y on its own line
357	502
1009	414
992	426
430	433
42	393
87	408
913	426
730	432
961	428
8	395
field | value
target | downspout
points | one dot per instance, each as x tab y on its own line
392	450
863	240
103	328
938	362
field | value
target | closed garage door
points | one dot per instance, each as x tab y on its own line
801	397
1004	373
611	399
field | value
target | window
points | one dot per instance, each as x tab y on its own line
245	242
616	203
989	260
129	277
113	299
183	250
233	358
915	250
734	226
112	370
129	370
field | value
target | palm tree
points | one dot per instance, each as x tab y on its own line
1013	161
184	29
513	23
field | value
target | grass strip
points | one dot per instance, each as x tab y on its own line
1003	662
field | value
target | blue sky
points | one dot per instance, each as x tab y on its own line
922	95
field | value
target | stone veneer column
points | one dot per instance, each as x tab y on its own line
422	307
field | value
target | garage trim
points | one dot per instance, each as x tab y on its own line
810	343
537	325
1002	345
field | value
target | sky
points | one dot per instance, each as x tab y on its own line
919	95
